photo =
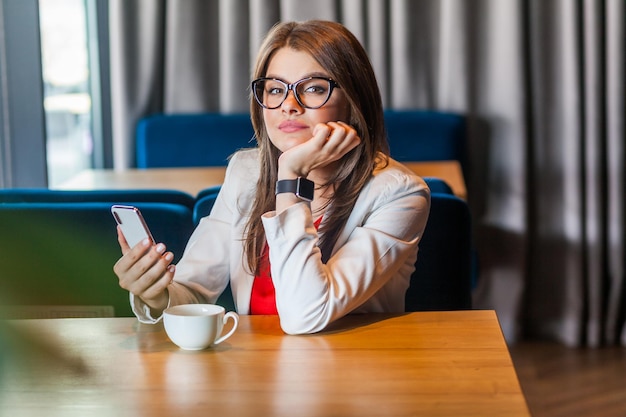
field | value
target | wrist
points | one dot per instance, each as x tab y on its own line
301	187
286	172
289	174
158	304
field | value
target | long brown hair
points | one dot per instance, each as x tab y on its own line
339	52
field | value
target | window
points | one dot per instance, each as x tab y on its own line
77	110
68	81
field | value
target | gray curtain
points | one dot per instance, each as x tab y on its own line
542	84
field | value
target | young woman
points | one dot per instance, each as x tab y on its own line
314	223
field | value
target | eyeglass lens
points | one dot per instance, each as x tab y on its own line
310	92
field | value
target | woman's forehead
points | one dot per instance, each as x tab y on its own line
291	65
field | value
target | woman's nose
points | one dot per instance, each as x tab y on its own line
291	104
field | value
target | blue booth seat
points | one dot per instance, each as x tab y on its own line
426	135
62	254
214	190
437	185
45	195
204	202
208	139
443	271
191	140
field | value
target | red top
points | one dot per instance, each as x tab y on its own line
263	297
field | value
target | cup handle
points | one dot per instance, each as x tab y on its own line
232	315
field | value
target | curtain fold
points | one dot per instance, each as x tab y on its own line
594	170
541	83
191	80
615	16
137	58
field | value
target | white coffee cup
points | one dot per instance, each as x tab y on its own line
198	326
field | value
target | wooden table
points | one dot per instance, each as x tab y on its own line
449	171
192	180
414	364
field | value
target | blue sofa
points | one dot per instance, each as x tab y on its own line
61	254
419	135
208	139
188	140
443	271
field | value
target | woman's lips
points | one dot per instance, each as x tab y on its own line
290	126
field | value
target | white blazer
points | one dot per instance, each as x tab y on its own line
368	270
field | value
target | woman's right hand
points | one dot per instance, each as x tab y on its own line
146	271
330	142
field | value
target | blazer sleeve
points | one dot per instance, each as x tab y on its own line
204	270
379	241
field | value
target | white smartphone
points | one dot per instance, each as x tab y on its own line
132	223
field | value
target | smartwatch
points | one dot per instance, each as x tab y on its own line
301	187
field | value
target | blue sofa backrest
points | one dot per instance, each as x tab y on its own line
443	272
46	195
188	140
208	139
426	135
62	253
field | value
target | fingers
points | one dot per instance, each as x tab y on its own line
334	140
122	241
145	270
150	287
329	143
130	256
343	137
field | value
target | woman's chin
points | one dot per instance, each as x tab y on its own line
284	144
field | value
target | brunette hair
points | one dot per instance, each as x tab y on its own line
339	52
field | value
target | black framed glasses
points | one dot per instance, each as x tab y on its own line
310	92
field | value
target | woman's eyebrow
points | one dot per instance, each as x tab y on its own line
308	75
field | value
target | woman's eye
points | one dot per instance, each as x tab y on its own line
275	91
315	89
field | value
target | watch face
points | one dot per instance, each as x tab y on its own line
305	189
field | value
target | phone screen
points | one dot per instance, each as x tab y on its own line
132	223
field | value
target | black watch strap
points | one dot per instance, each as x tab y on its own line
301	187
